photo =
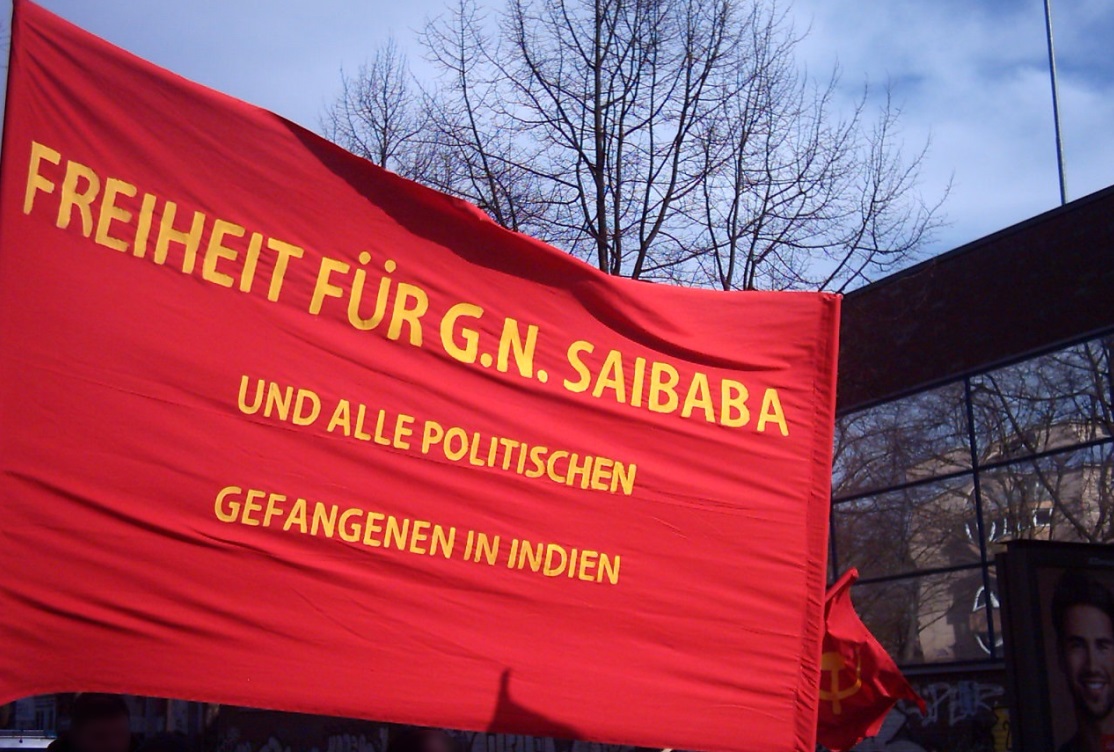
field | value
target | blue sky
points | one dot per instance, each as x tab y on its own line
971	75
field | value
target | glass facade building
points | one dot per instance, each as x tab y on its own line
926	488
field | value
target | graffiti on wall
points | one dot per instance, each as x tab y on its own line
963	714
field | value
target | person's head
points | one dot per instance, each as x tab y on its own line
1083	616
423	740
100	723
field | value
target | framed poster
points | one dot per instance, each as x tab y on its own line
1058	621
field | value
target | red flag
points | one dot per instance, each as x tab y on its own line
859	682
280	428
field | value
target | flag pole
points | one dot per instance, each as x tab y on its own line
1055	100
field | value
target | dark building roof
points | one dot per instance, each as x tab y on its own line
1046	281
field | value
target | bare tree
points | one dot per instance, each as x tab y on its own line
1055	413
662	139
379	114
611	94
477	153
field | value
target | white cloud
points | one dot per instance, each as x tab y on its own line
974	76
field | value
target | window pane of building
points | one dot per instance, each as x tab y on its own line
1067	496
1043	404
921	436
928	619
927	526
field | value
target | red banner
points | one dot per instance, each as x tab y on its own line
279	428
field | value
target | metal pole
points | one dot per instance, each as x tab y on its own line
1055	100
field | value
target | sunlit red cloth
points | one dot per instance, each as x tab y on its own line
282	429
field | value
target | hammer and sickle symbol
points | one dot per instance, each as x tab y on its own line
834	664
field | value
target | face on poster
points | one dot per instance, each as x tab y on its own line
1077	614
